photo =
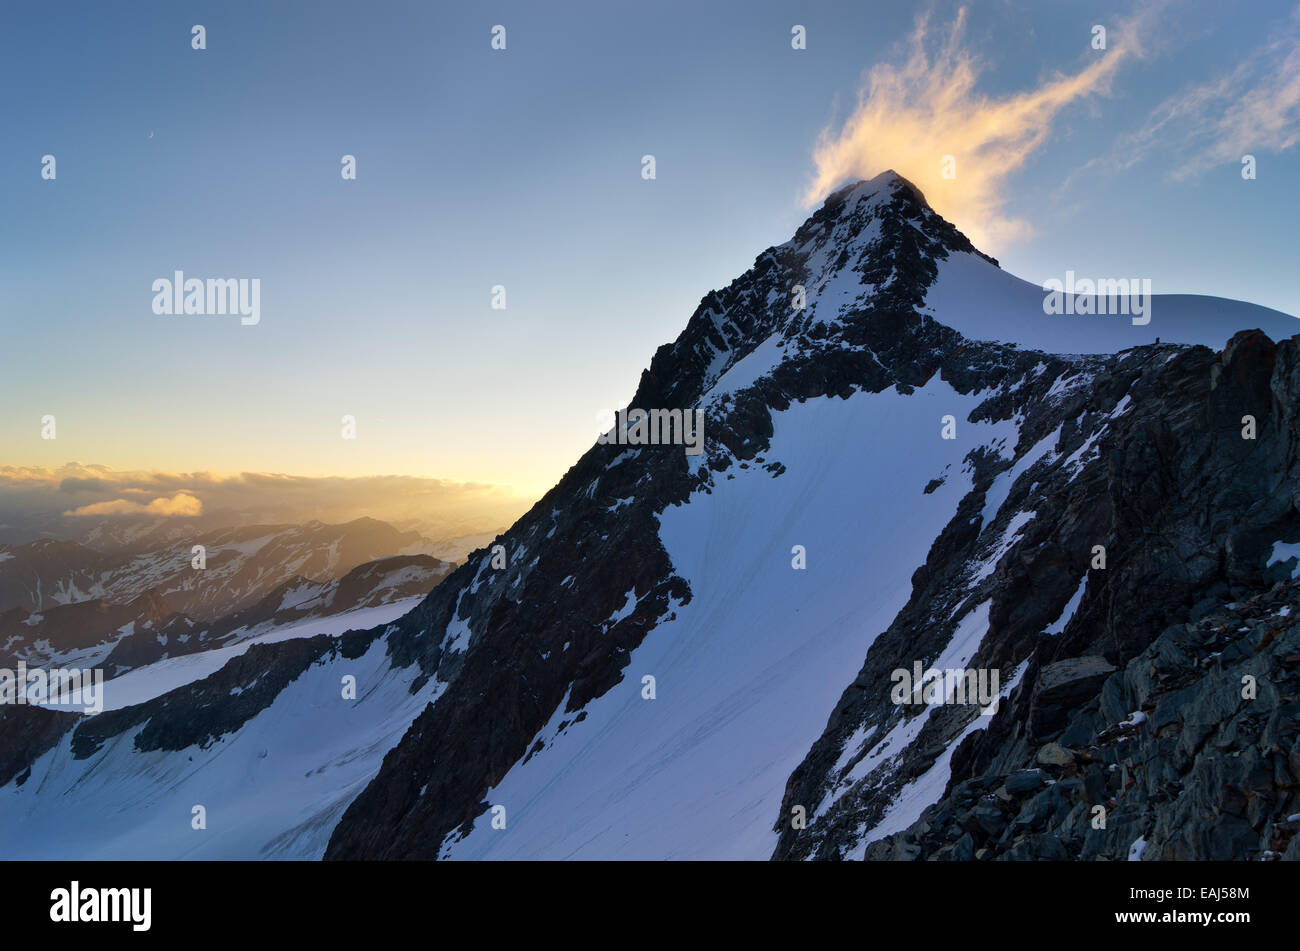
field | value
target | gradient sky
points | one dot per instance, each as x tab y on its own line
522	168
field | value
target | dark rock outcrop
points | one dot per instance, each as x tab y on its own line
1187	510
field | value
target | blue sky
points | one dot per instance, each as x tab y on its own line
522	168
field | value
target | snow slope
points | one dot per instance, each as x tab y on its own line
748	669
272	789
154	680
983	302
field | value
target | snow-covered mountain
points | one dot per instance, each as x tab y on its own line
241	565
690	656
74	630
299	604
123	637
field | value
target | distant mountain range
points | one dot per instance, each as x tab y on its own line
242	565
124	605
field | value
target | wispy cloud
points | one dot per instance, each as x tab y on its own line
1254	107
909	116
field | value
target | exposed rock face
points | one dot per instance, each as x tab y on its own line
1167	751
200	713
26	733
1188	511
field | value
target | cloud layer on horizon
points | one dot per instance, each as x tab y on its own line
60	501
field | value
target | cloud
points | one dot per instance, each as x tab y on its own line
182	504
76	484
909	116
1255	107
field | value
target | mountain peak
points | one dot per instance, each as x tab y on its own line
872	248
880	190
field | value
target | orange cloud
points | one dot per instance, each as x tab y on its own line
181	504
910	117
